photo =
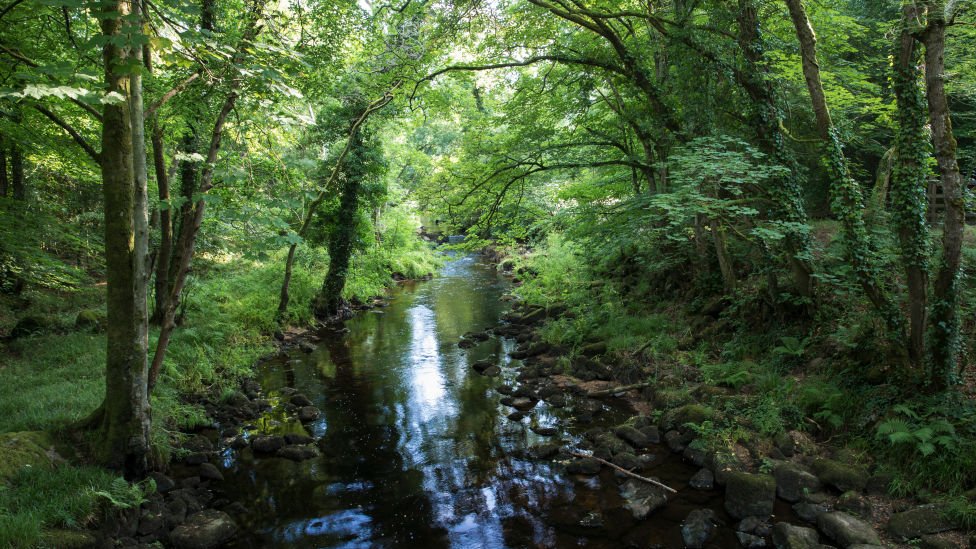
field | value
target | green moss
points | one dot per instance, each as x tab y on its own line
30	449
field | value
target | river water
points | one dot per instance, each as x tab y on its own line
417	451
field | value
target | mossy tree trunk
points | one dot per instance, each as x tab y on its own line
908	181
845	194
329	299
123	420
945	307
765	119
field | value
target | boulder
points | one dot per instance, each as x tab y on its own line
295	438
308	413
203	530
788	536
702	480
847	530
809	511
748	494
163	483
90	319
914	523
626	460
698	527
689	413
840	475
546	450
298	453
267	444
794	480
544	431
641	498
210	472
523	404
750	541
633	436
854	502
583	466
300	400
492	371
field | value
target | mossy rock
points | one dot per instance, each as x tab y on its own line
914	523
25	449
840	475
31	325
90	319
749	495
689	413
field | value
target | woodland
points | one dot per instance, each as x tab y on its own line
760	206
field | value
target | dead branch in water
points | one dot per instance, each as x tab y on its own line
625	471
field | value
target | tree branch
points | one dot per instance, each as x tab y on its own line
170	94
84	144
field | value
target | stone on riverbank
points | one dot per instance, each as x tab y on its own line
794	480
748	494
788	536
847	530
914	523
840	475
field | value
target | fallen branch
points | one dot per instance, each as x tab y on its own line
625	471
642	349
615	390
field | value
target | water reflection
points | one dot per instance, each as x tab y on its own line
416	450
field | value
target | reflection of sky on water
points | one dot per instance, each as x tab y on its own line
430	443
415	451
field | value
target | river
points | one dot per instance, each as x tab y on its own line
416	449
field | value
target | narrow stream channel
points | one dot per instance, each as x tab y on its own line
417	451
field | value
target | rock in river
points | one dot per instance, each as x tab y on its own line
698	528
204	530
641	498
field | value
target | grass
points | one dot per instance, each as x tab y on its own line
56	377
766	377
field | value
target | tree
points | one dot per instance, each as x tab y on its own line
123	420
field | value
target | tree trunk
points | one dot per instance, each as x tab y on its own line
19	186
766	121
846	202
908	186
945	310
162	287
329	299
720	240
123	418
353	138
4	180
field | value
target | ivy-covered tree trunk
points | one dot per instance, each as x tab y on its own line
329	299
945	306
123	420
845	194
765	119
908	181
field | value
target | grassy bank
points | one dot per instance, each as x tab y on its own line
764	368
52	372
